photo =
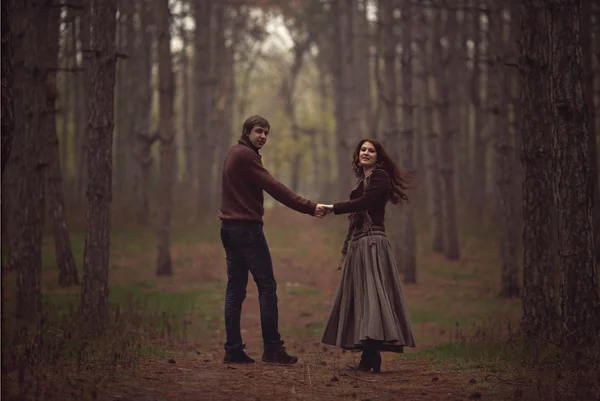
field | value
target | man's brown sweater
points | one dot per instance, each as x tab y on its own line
243	182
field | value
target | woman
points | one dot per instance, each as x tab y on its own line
368	312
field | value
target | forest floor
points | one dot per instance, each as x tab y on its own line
168	338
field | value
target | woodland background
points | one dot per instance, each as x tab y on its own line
117	114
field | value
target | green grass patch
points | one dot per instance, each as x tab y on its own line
465	355
306	292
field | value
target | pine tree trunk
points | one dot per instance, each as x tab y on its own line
65	97
287	91
54	181
27	214
448	133
84	94
102	63
143	104
588	70
463	138
344	91
204	85
388	96
540	313
436	216
572	188
503	155
512	93
76	83
8	120
409	255
166	135
479	169
223	95
121	113
188	138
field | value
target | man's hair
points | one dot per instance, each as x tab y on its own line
252	121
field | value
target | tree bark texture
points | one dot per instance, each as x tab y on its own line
94	292
223	95
406	159
143	95
436	215
187	133
344	69
204	69
54	179
124	124
83	102
479	171
166	92
449	130
8	119
589	84
539	243
27	211
572	187
389	97
503	155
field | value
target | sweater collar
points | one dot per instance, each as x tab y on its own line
244	140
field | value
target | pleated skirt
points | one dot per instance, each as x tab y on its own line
368	304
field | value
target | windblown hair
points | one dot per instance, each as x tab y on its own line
400	179
252	121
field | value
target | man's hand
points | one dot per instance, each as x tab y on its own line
323	210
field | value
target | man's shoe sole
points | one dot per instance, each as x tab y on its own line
245	362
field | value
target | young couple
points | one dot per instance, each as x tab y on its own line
368	312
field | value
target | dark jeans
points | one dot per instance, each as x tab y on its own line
247	251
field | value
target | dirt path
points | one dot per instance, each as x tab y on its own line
307	283
305	268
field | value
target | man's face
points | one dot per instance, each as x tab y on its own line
258	136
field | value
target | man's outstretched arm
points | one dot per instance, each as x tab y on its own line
256	172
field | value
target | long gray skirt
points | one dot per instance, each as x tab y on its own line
368	304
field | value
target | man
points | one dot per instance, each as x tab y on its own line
243	182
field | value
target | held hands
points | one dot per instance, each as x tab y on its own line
323	210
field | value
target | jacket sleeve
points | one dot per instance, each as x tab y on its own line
379	184
258	175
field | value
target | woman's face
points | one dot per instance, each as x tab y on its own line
367	156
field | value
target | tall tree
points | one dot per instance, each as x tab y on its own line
572	187
54	180
166	93
8	120
143	94
445	70
389	98
589	81
479	171
344	73
539	258
409	251
82	101
124	123
187	133
503	153
27	212
102	63
204	62
434	180
225	93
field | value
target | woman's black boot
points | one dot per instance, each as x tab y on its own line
365	361
376	364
